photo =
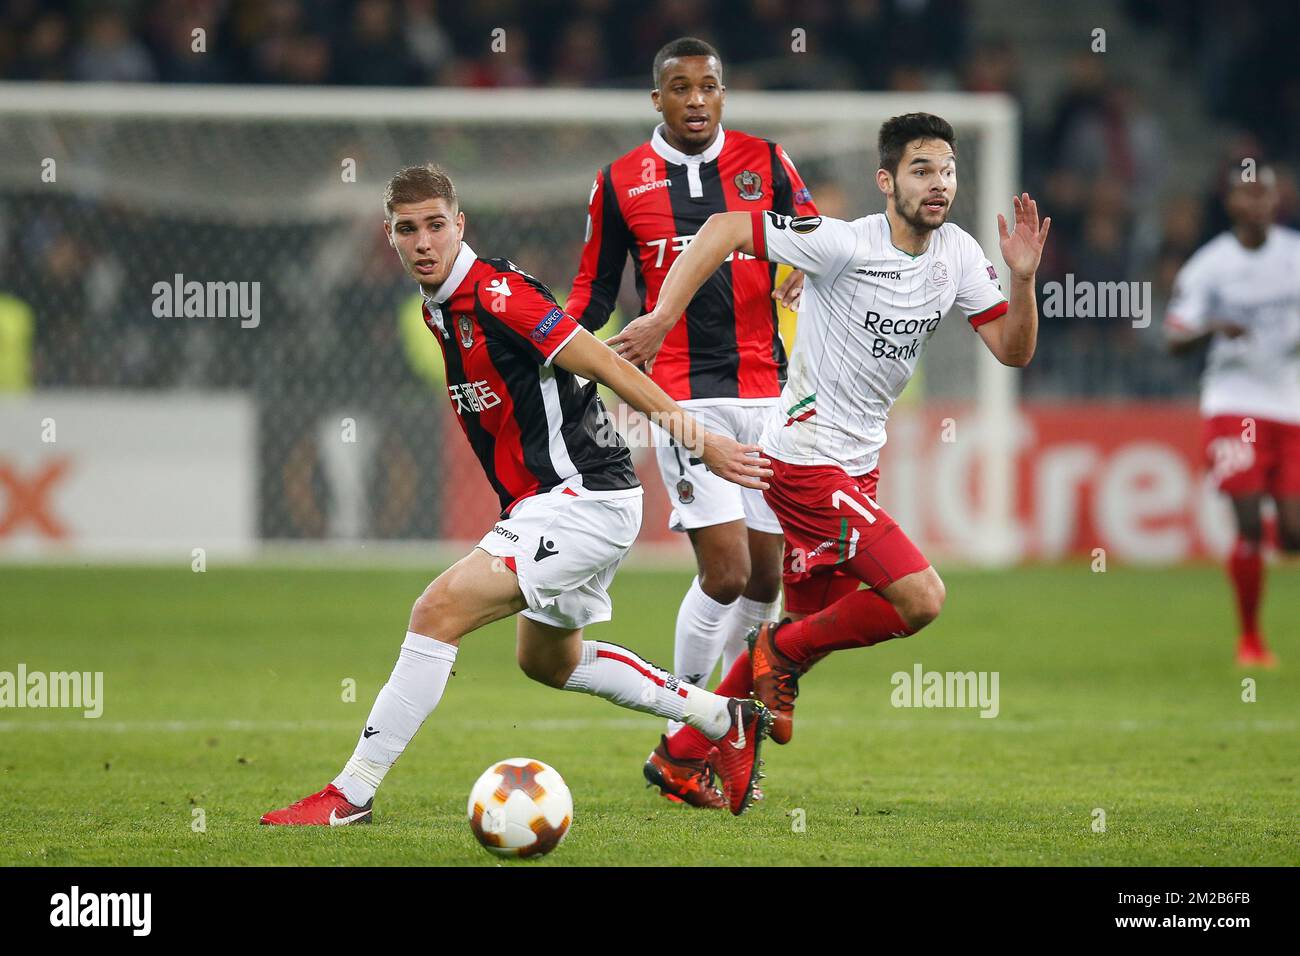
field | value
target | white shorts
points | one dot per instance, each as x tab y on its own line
565	550
700	498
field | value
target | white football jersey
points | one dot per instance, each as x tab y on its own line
1259	289
867	311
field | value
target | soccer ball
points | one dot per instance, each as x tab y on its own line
520	807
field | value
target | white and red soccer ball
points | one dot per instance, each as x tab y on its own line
520	807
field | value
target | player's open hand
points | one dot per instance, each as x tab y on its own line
1022	248
640	340
742	464
788	292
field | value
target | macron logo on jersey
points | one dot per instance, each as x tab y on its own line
499	286
544	327
639	190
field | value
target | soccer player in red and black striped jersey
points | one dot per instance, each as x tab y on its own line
521	375
724	360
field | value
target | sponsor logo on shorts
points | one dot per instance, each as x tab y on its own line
824	546
544	327
505	533
545	549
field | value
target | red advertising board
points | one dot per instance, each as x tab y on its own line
1125	477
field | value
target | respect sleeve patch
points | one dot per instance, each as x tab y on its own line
544	327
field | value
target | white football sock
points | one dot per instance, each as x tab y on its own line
618	675
412	692
744	615
697	642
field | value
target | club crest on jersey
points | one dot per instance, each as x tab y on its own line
466	328
939	274
750	184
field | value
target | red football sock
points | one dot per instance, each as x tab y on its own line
859	619
739	681
1246	568
688	743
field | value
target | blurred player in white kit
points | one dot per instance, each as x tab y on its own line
1241	291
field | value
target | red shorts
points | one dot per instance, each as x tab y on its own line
1248	455
835	535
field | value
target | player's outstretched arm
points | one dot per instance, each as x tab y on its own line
723	234
587	356
1013	337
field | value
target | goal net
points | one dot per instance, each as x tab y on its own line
112	196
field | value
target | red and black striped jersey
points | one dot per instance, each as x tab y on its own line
533	426
651	202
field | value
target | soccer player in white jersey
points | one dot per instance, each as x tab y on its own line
876	290
1241	292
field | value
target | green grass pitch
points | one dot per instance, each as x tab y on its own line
224	693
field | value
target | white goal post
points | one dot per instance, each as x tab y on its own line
264	155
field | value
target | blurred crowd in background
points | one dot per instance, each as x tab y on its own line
1098	151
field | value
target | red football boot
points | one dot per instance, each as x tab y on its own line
776	679
329	808
1255	655
736	756
683	781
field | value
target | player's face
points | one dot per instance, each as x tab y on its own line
690	96
1253	204
427	238
925	185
